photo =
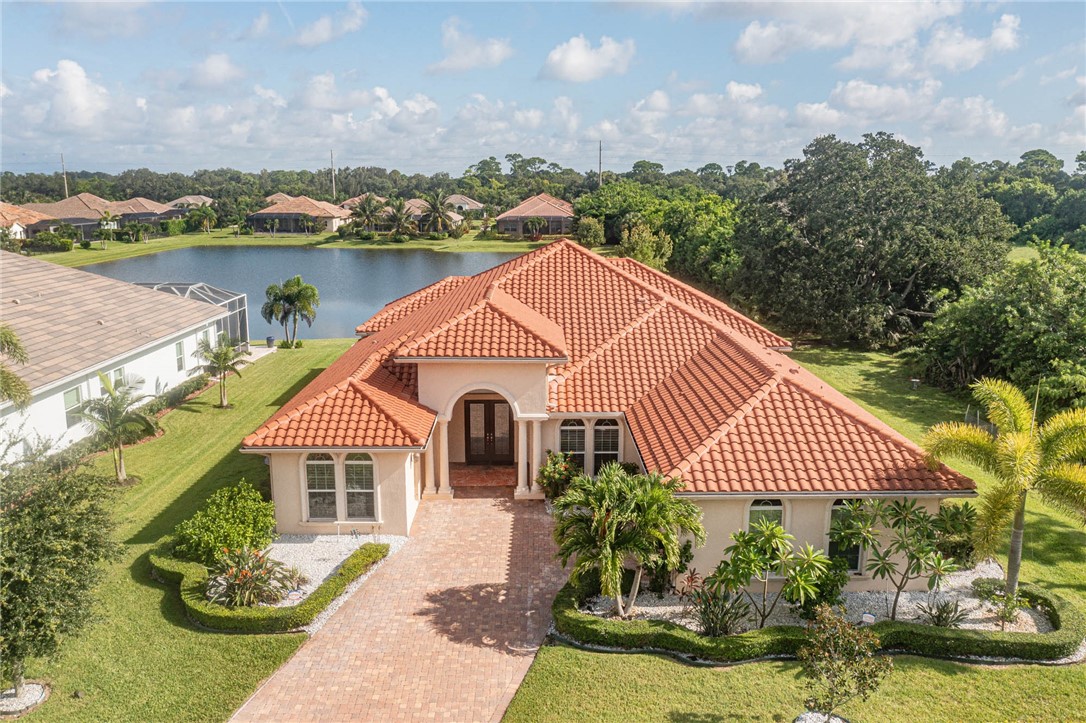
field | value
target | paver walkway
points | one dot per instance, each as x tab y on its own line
444	630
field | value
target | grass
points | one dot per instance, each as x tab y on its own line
116	250
569	684
141	659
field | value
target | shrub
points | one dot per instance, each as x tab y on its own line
172	227
556	473
84	243
246	577
829	584
487	235
9	242
47	242
954	528
717	611
589	232
660	575
943	613
367	235
233	517
458	231
399	238
839	662
437	236
989	588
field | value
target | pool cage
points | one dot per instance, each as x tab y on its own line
235	326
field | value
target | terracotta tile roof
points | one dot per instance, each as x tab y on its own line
11	214
188	201
82	206
350	203
705	392
418	208
543	205
466	202
71	321
303	205
278	198
137	205
704	303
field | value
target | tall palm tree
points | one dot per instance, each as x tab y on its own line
615	518
436	215
289	302
115	417
275	308
1023	456
399	218
12	386
367	212
220	359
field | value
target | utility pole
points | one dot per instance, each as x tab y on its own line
332	158
599	177
64	172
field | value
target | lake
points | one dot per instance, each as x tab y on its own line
353	283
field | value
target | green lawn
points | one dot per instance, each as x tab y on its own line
141	660
569	684
224	237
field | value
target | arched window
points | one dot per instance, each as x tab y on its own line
604	443
361	494
571	440
850	554
772	510
320	486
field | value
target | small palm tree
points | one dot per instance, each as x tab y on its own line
274	226
12	386
437	214
367	212
1022	456
105	227
534	226
220	359
399	218
115	416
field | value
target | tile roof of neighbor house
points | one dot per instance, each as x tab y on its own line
190	201
543	205
705	391
11	214
71	321
419	207
303	205
278	197
466	202
352	202
80	206
138	205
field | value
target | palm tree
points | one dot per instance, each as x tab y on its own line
534	226
615	518
275	308
288	303
367	212
220	359
138	231
12	386
115	417
274	225
399	218
436	215
1022	456
203	217
105	227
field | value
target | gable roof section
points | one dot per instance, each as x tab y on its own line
278	198
82	206
192	200
72	321
399	308
352	202
11	214
543	205
138	205
303	205
467	202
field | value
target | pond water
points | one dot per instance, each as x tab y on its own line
353	283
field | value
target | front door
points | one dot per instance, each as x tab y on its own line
489	433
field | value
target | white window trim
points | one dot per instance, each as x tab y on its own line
78	389
586	452
859	573
590	437
785	511
179	354
617	428
338	461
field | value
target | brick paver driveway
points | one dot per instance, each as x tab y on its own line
445	629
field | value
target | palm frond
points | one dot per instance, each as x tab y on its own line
1064	487
995	512
1008	409
1063	436
960	441
1019	457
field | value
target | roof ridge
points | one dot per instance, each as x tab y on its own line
277	420
729	424
507	314
420	339
609	343
533	258
359	387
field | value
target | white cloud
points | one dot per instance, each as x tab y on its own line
327	28
649	112
971	116
951	48
567	118
270	96
4	91
742	92
69	98
259	27
819	116
215	71
1058	76
577	61
871	101
321	93
464	52
528	118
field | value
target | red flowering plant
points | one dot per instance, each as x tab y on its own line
556	473
245	577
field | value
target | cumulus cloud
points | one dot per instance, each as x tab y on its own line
464	52
871	101
322	93
953	49
68	97
742	92
818	116
270	95
215	71
971	116
327	28
258	28
577	61
565	116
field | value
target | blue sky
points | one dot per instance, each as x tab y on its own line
426	87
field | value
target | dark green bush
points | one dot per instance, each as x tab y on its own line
47	242
172	227
399	238
192	579
437	236
367	235
174	397
84	243
233	517
557	471
830	583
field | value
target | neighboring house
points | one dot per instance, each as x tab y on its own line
22	223
143	210
290	214
75	324
235	325
557	213
278	198
83	210
464	203
191	202
562	349
418	209
350	203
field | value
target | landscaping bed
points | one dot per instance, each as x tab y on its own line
318	557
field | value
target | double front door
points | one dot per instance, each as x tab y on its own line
489	432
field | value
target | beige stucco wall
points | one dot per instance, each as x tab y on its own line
808	519
396	482
627	450
522	384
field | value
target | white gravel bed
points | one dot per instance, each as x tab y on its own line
956	586
318	556
33	694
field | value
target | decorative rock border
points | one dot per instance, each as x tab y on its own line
34	694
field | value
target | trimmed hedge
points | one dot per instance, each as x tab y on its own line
1068	621
192	577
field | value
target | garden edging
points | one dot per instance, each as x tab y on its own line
191	578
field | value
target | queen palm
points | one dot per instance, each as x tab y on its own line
289	302
220	359
1023	456
12	386
115	416
437	215
367	212
105	227
399	218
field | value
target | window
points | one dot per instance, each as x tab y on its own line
179	352
851	554
604	443
72	399
571	440
118	380
772	510
361	500
320	485
205	336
